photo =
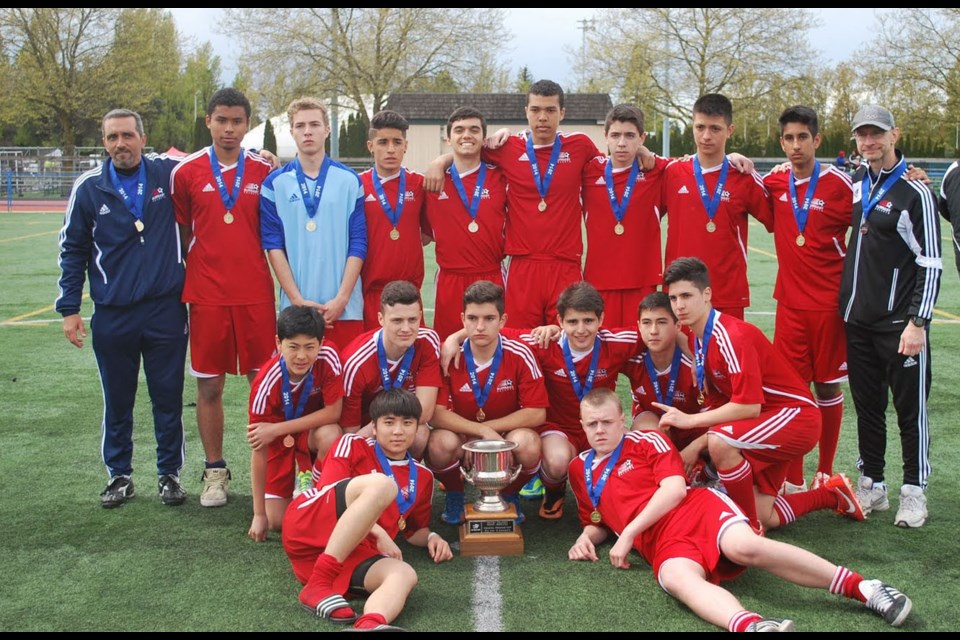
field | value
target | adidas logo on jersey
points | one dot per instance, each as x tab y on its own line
465	388
294	197
728	428
104	210
443	196
783	197
601	180
523	157
683	189
560	372
641	391
208	188
370	198
843	367
909	362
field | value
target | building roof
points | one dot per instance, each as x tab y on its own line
419	108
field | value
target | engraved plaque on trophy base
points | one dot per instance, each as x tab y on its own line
490	534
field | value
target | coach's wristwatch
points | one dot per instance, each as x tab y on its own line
917	321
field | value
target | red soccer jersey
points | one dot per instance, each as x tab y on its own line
225	263
388	259
724	251
361	372
743	367
555	232
824	238
459	249
616	347
517	385
644	394
352	456
632	260
266	399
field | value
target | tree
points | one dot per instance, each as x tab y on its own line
269	137
363	54
201	134
524	80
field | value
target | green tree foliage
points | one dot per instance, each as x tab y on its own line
363	54
269	137
523	80
201	134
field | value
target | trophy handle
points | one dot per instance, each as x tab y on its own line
515	473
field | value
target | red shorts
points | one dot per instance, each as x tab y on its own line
231	339
283	462
771	441
576	436
733	312
693	532
343	331
533	286
621	307
371	308
448	301
814	342
307	525
683	437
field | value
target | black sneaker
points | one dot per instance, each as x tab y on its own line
171	493
118	491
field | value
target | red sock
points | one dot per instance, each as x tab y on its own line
847	583
795	471
738	482
320	586
522	479
740	621
450	477
369	621
792	506
831	415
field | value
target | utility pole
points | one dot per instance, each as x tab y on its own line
586	24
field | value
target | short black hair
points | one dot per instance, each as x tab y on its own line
395	402
687	269
399	292
580	296
300	321
228	97
545	88
715	104
388	119
803	115
625	113
654	301
464	113
482	292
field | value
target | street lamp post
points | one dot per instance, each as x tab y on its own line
195	94
586	24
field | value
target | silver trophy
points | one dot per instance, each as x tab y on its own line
488	465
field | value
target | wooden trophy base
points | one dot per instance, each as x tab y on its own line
491	534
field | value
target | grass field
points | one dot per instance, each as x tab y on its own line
69	565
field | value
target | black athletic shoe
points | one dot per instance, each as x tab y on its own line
171	493
118	491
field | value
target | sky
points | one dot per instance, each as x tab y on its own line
841	32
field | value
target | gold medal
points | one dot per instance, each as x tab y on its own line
711	227
542	206
481	416
473	227
595	517
801	240
402	523
289	441
311	226
618	229
700	398
228	217
394	234
138	225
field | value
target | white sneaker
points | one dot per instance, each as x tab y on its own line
772	624
872	495
883	599
215	482
819	480
788	487
913	507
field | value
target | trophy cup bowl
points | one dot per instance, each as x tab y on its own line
488	465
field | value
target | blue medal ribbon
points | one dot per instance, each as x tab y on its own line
385	365
481	394
403	503
619	207
135	202
543	184
801	212
472	205
710	203
700	349
289	411
868	204
595	491
572	370
666	398
229	198
311	199
393	215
